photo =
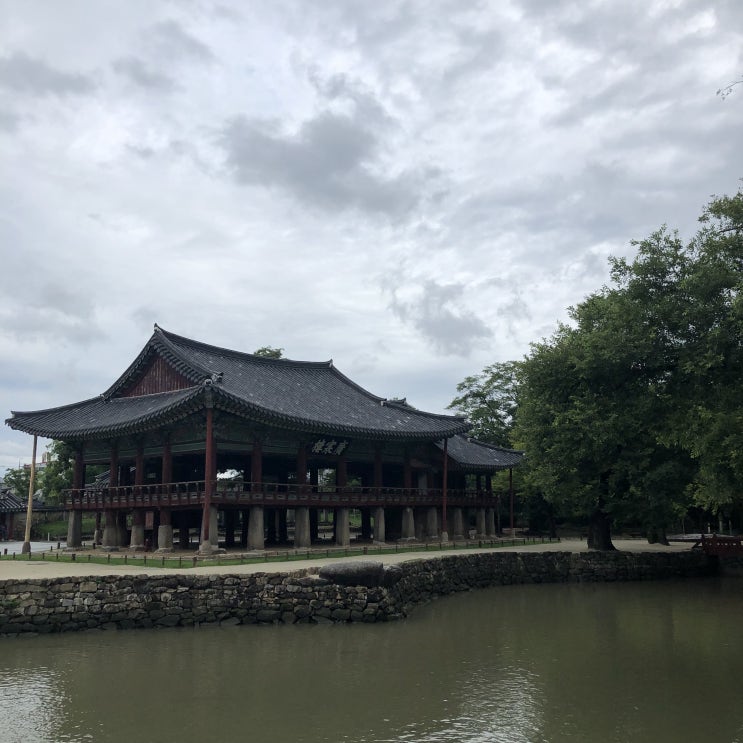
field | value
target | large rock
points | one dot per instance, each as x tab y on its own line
363	573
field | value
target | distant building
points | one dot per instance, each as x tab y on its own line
10	506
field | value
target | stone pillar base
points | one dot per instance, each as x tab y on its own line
165	538
207	548
342	527
255	528
74	530
302	527
480	523
137	538
379	526
408	524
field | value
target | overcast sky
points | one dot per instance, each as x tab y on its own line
414	189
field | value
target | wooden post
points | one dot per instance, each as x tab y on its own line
209	476
444	525
256	463
510	492
29	510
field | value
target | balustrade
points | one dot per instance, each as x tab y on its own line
185	494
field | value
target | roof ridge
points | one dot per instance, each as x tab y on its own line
174	339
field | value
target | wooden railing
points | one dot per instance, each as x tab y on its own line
716	544
286	495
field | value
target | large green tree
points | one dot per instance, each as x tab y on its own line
690	295
638	401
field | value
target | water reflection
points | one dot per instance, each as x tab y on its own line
649	662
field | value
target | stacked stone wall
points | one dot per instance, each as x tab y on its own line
127	602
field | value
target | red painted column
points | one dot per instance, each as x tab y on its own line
139	465
113	481
256	462
378	466
209	473
444	486
167	464
341	471
302	464
510	490
407	473
78	473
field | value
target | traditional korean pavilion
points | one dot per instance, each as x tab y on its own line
194	436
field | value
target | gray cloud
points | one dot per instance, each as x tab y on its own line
24	74
169	38
436	313
9	121
143	76
328	162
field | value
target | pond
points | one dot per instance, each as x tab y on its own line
656	661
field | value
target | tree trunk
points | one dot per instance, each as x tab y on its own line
657	535
599	532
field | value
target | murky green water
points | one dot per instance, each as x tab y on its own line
631	662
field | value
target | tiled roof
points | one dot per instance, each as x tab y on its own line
471	454
10	503
101	416
300	395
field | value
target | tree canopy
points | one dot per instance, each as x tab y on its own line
269	352
633	410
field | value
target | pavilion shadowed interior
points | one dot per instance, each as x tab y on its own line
309	448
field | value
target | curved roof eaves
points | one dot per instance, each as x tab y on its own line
101	416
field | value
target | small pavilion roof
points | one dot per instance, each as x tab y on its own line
9	502
300	395
479	456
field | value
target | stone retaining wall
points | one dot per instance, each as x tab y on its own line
66	604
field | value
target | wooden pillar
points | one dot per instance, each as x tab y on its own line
378	466
341	471
209	475
407	473
166	475
510	493
113	479
256	462
139	465
301	464
444	485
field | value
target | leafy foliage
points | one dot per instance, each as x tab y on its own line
17	479
269	352
488	401
57	475
635	406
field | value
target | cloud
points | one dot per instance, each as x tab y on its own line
143	76
172	41
327	163
24	74
436	311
